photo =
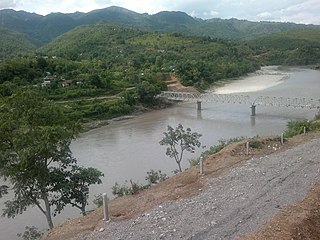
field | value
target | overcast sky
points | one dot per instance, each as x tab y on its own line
298	11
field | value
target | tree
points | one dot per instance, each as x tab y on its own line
73	186
147	91
96	81
35	139
178	141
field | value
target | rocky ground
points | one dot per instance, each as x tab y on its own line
260	196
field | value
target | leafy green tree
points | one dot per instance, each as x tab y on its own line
35	139
96	81
147	91
178	141
73	186
42	63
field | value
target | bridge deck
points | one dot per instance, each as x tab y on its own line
242	99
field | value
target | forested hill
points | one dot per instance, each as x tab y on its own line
14	43
195	59
45	28
298	47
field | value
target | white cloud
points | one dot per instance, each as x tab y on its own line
8	3
304	12
264	15
300	11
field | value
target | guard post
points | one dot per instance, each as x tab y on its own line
105	207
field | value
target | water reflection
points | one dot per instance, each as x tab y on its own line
253	121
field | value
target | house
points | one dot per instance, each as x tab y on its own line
67	83
46	83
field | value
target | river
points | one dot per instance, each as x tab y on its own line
127	149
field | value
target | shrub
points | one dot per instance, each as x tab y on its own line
120	191
123	190
222	143
154	177
296	127
194	161
120	107
98	200
30	233
255	143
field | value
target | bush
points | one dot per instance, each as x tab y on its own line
194	161
222	143
98	200
120	107
120	191
123	190
255	143
155	177
30	233
296	127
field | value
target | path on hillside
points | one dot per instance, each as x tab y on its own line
234	204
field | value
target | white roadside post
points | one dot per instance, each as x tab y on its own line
105	207
247	148
201	165
282	138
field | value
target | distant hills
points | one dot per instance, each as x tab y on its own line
43	29
297	47
90	35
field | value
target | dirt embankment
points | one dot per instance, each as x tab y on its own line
238	194
174	84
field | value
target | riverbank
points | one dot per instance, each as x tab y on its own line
242	191
138	111
264	78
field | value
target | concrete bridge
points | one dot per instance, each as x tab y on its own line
241	99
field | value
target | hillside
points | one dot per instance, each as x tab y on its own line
125	67
45	28
196	60
296	47
14	43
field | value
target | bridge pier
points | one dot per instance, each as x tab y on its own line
199	105
253	110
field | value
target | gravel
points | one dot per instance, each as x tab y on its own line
231	205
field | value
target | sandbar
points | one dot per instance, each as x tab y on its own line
262	79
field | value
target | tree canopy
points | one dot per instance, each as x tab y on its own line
35	139
178	141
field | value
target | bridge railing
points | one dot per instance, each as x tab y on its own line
288	102
242	99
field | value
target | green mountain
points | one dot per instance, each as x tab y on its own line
130	51
287	40
45	28
14	43
297	47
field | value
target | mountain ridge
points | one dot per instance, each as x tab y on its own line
44	29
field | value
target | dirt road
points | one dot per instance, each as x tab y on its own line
231	205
